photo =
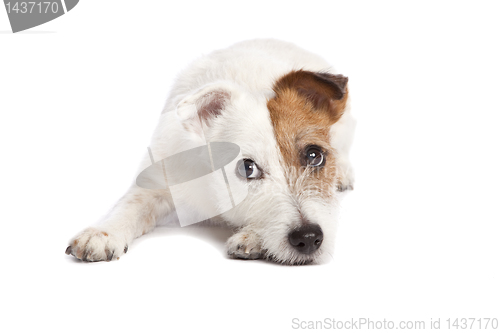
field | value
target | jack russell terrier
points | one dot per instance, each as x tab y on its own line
266	122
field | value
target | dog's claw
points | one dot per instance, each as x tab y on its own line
342	188
85	256
249	253
126	249
109	255
246	256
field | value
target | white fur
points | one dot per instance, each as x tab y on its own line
247	72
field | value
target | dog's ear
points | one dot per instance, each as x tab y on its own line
201	108
327	92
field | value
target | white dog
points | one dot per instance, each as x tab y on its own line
289	115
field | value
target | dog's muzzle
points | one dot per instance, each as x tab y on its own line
307	239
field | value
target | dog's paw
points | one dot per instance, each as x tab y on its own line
94	244
345	177
348	186
244	245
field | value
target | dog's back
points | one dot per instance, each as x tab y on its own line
254	65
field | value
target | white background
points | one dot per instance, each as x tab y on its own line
418	238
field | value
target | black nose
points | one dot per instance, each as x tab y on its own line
306	239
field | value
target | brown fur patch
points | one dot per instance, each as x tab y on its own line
306	105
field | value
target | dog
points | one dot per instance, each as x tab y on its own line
289	114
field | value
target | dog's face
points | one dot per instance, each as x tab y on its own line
288	163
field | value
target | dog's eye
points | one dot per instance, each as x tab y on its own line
248	169
315	157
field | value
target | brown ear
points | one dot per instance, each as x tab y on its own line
325	91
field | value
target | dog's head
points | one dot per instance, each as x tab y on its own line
288	161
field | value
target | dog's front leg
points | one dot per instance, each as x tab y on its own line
135	214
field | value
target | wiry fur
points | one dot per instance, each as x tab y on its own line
233	88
